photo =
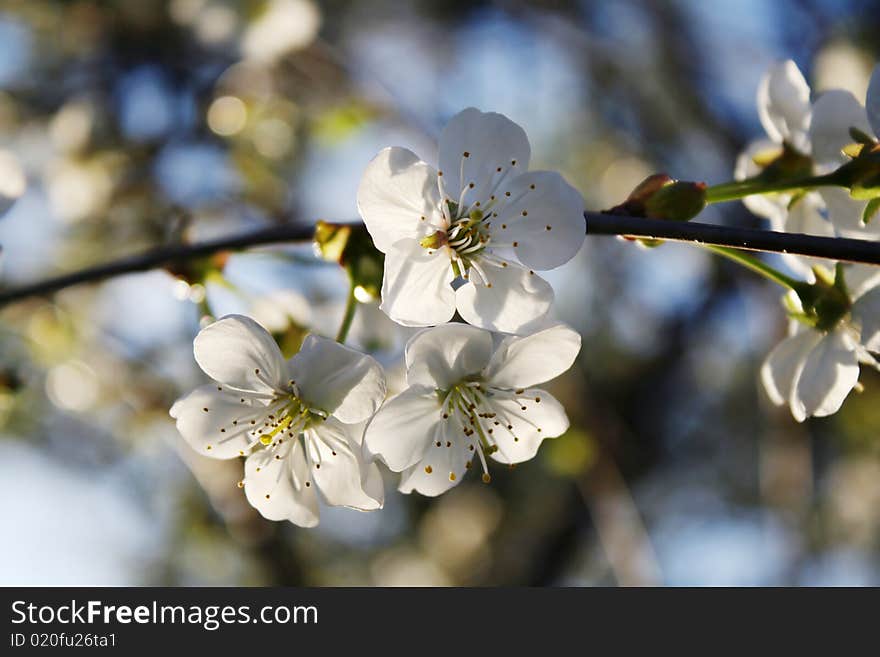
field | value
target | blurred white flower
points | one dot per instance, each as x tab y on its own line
468	399
482	216
12	180
282	27
815	368
299	422
835	114
819	132
783	102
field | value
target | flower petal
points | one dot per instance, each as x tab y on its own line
280	488
784	104
337	379
442	356
872	102
442	466
844	211
238	352
510	300
866	315
398	197
473	147
829	373
338	472
544	218
834	113
805	216
205	420
519	433
781	367
861	279
772	207
417	285
520	362
400	432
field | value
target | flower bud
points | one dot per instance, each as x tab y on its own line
661	197
677	201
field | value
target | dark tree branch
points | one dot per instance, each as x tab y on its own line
747	239
847	250
159	257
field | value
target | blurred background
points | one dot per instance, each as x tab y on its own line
151	122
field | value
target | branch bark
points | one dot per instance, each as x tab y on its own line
842	249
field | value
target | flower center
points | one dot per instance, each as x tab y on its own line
469	404
287	414
467	235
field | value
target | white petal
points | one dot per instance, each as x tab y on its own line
829	373
398	197
12	180
205	420
544	217
520	362
781	367
401	431
492	142
772	207
513	300
866	315
337	379
417	285
806	216
442	356
519	433
238	352
442	466
270	487
872	103
784	104
339	469
834	113
861	279
844	211
372	481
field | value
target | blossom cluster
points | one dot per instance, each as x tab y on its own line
466	238
815	368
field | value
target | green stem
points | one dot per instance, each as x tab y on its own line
759	267
350	308
735	190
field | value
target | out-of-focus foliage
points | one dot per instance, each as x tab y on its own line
150	122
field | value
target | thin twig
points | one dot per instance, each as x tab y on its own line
842	249
158	257
747	239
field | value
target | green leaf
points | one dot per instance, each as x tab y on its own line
870	210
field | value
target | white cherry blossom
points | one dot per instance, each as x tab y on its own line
483	218
813	369
783	102
834	114
819	132
299	422
470	397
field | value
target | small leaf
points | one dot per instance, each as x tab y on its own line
871	210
